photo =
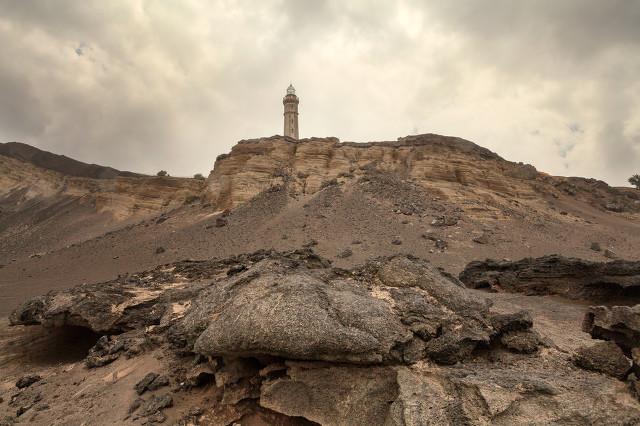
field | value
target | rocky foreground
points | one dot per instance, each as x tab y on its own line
285	338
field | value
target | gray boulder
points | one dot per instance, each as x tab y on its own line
604	357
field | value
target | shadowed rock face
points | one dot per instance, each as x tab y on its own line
392	342
620	324
568	277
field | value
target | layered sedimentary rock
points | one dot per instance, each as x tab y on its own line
305	165
569	277
257	164
23	184
287	337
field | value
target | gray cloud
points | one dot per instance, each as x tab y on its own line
144	85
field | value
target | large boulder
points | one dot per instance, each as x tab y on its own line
393	310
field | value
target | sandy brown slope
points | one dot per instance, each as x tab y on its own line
43	210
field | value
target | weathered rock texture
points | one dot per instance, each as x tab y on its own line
620	324
257	164
306	165
287	337
568	277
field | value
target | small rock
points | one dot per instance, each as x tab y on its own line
563	213
504	323
596	246
482	239
156	418
345	253
610	254
446	220
355	242
604	357
236	269
526	341
160	250
195	411
26	381
156	403
135	405
142	385
396	242
310	243
441	244
220	222
151	382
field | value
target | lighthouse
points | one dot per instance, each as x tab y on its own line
290	102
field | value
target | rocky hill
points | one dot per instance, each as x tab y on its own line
48	201
314	282
59	163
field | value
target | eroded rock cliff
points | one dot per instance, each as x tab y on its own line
306	164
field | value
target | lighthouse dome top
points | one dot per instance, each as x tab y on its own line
291	90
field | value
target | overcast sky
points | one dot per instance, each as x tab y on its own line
146	85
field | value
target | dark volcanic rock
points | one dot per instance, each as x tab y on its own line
620	324
604	357
519	321
26	381
155	404
345	253
148	381
524	341
569	277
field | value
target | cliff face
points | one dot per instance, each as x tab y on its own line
257	164
457	167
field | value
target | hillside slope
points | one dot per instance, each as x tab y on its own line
373	210
42	209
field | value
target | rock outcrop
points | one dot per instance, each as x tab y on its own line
305	165
569	277
620	324
288	337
